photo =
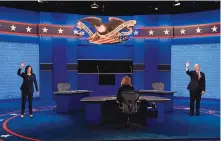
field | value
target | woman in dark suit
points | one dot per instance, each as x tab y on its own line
141	115
27	88
125	86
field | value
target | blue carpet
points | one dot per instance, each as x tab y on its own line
50	126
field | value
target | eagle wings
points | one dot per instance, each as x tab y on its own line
113	22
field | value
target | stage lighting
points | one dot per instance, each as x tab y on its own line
156	8
177	3
94	5
40	1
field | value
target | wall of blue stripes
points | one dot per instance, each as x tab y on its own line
138	50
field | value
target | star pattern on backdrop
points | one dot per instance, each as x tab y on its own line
151	32
45	30
166	32
13	27
60	31
214	29
197	30
156	32
28	29
182	31
9	27
136	33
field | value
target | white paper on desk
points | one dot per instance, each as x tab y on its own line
80	90
64	92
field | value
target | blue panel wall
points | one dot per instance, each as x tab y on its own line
11	55
105	52
135	49
59	62
208	56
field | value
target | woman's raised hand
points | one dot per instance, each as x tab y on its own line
22	64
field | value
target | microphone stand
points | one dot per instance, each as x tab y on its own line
131	72
98	73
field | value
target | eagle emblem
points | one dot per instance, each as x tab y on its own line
117	30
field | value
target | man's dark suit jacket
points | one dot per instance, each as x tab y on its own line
123	89
27	84
195	83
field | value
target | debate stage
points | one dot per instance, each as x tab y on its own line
48	125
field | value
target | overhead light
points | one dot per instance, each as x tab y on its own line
177	4
156	8
94	5
40	1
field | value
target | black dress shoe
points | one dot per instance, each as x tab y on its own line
197	114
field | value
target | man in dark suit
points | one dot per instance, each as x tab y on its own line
197	87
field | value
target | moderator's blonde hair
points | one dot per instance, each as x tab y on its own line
126	81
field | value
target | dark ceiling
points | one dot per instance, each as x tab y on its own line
115	7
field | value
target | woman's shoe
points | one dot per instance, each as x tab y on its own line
31	116
22	116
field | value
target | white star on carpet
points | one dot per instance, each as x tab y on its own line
136	33
28	29
198	30
1	119
182	31
13	114
214	29
45	30
166	32
60	31
151	32
13	27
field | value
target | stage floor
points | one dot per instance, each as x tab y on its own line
47	125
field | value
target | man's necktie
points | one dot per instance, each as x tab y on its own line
198	74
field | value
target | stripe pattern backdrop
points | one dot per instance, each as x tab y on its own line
11	55
207	55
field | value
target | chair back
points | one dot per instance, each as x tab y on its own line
158	86
130	99
63	87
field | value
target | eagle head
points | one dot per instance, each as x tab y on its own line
101	29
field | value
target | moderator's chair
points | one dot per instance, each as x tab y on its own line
63	87
130	106
158	86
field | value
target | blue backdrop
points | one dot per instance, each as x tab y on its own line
60	50
11	55
207	55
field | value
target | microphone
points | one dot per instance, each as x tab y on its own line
131	70
98	76
97	68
